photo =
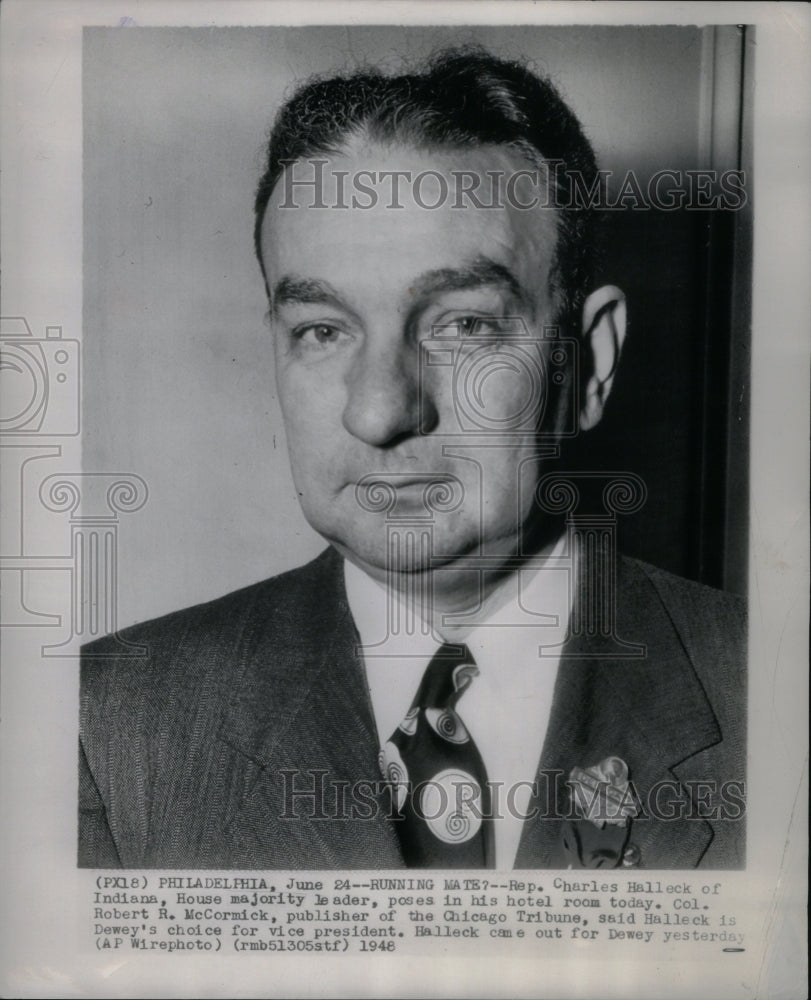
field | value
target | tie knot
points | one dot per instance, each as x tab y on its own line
450	671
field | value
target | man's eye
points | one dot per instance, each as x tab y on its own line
482	326
466	324
318	334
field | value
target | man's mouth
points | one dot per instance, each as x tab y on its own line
435	492
404	480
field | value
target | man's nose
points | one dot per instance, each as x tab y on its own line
384	399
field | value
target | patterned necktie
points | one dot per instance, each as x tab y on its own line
436	775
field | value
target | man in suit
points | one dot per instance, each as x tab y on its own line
461	679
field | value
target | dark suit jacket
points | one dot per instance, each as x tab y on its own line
189	752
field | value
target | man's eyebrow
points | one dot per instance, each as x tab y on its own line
295	290
473	274
480	271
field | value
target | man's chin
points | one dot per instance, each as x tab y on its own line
381	563
403	549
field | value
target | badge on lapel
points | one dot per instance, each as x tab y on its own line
604	802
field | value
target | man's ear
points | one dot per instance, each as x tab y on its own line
604	317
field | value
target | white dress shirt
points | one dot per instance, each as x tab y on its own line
506	707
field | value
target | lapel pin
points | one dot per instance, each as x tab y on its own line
602	793
604	803
631	856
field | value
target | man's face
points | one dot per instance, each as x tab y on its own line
354	293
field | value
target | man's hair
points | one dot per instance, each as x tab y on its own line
463	97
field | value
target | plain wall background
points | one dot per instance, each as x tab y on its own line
178	372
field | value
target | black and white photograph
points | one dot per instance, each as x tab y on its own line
501	357
403	469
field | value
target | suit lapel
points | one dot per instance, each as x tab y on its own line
301	722
300	718
652	712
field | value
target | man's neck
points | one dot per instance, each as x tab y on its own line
458	589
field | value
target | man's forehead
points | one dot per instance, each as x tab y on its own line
399	207
370	174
